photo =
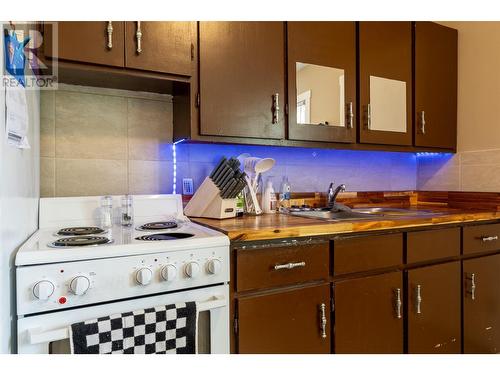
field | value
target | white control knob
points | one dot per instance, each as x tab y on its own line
169	272
214	266
79	285
192	269
43	290
144	276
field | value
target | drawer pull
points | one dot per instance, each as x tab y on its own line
419	299
289	266
323	321
471	289
489	238
399	304
109	31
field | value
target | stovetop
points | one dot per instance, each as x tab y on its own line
119	241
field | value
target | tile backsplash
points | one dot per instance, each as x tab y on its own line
98	141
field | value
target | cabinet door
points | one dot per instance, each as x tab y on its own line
322	81
385	72
90	42
481	305
165	47
369	314
286	322
434	312
241	70
435	85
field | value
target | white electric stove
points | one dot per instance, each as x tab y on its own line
72	270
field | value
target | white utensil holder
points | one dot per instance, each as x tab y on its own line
207	202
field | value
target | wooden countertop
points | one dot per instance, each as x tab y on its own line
273	226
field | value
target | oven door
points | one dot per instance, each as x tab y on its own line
48	332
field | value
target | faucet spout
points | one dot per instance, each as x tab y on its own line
332	194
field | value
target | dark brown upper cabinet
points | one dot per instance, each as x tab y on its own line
242	79
164	47
385	83
369	315
89	42
322	81
434	319
435	85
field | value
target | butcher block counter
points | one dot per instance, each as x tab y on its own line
450	208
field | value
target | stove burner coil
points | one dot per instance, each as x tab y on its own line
80	241
164	236
159	225
80	231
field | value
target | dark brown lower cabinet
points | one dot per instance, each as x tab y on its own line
285	322
369	314
481	294
434	309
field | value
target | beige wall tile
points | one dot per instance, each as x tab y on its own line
481	178
47	123
90	126
150	177
76	177
47	177
484	157
149	129
439	173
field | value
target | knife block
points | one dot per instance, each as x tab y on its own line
207	202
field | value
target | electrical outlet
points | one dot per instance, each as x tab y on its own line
187	186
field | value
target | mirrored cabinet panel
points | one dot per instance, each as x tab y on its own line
322	81
320	95
387	107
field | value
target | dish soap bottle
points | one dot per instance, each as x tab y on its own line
285	193
269	198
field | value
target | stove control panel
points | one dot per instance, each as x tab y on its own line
61	285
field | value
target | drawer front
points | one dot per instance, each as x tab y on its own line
271	267
479	238
432	244
358	254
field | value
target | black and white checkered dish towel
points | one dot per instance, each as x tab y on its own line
161	330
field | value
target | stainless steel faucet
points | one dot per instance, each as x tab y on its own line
332	194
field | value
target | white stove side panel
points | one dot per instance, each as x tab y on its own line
75	211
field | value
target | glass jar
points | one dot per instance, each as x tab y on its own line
106	212
127	212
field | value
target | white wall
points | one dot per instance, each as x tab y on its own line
19	193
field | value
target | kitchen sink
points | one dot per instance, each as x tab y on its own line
369	213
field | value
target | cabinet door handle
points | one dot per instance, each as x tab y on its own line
418	299
323	320
138	37
471	288
398	304
368	116
489	238
422	122
109	31
350	116
275	108
289	266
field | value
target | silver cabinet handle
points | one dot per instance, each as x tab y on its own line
422	122
109	30
323	321
138	37
418	299
368	116
399	304
275	108
471	289
289	266
489	238
350	116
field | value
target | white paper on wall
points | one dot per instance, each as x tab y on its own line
17	120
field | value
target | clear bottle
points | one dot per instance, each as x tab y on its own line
127	212
106	212
269	198
285	193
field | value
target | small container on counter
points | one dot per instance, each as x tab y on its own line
127	211
106	212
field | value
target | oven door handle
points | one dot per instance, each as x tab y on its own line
37	336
